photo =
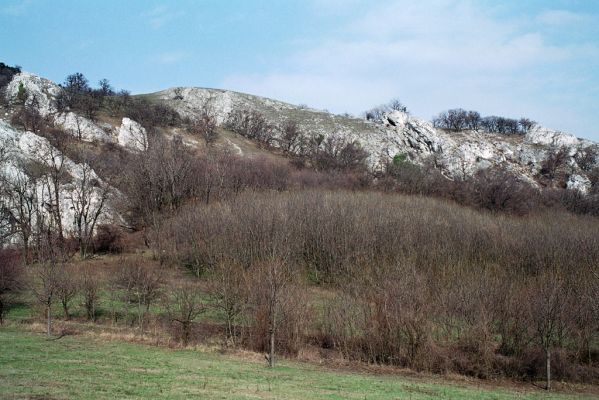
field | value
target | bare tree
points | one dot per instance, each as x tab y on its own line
336	153
205	127
29	117
292	139
20	205
397	105
228	290
251	124
184	306
555	160
88	201
10	278
44	280
526	125
273	276
89	286
141	285
549	308
53	176
66	288
587	158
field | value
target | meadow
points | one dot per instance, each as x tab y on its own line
33	366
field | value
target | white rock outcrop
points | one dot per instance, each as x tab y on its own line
22	147
456	153
38	90
132	135
549	137
579	183
81	127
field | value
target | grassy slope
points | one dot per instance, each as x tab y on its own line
32	366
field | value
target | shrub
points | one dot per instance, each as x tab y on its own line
108	239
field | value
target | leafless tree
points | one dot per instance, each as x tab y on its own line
204	124
66	288
161	178
184	306
44	279
336	153
53	176
141	285
251	124
28	117
88	201
549	310
228	290
292	139
21	206
526	125
397	105
556	158
274	276
10	278
587	158
377	114
89	286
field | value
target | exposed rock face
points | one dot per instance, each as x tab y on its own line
81	127
132	135
458	153
42	94
579	183
39	90
548	137
21	148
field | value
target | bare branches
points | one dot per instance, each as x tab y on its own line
184	306
88	199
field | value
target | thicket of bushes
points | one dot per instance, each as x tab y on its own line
420	283
414	282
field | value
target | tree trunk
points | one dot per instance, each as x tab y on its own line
65	308
186	329
271	357
230	329
548	356
49	320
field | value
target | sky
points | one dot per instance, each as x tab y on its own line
533	58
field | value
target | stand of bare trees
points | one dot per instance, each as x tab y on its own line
459	120
419	283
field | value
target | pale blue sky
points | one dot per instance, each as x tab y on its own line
537	58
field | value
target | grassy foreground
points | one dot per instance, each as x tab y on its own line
31	366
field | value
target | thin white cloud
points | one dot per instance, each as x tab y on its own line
455	53
560	17
16	8
160	16
171	57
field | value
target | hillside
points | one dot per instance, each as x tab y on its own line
398	133
277	131
456	153
203	218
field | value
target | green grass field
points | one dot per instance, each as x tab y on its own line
83	367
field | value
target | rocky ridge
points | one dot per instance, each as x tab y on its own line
458	154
